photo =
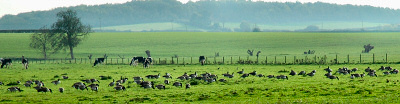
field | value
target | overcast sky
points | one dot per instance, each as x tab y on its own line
19	6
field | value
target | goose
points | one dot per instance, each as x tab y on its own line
61	90
368	69
137	78
112	83
271	76
94	80
160	86
27	84
120	87
210	80
333	77
352	77
29	81
311	74
261	75
386	73
193	75
388	68
241	72
86	81
230	75
394	71
253	73
382	68
354	69
65	77
166	81
302	73
328	69
292	73
226	74
328	74
44	89
282	77
314	71
123	80
167	75
1	83
56	82
213	76
372	74
205	74
245	75
94	88
177	84
182	77
14	89
222	80
156	76
187	86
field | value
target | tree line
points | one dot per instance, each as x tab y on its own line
206	14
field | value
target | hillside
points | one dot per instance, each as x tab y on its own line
208	15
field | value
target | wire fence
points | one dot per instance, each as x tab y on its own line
262	60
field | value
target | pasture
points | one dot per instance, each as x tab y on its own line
297	89
194	44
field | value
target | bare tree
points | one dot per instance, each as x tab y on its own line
43	41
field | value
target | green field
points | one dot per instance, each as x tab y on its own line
193	44
298	89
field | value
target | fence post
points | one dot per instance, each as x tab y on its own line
177	60
266	60
172	62
386	59
223	60
348	58
239	58
117	60
215	60
183	61
159	60
315	59
294	60
373	58
257	60
275	60
336	60
360	58
191	60
285	59
231	60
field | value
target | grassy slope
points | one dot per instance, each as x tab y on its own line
317	89
165	45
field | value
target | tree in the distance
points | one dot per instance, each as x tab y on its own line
42	41
69	31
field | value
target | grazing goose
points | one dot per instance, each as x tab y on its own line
213	76
354	69
382	68
166	81
386	73
229	75
271	76
27	84
193	75
210	80
394	71
328	74
261	75
14	89
137	78
333	77
61	90
112	83
56	82
245	75
86	81
352	77
302	73
372	74
160	86
94	80
282	77
167	75
44	89
222	80
226	74
183	77
253	73
65	77
177	84
368	69
311	74
356	75
120	87
94	87
292	73
187	86
241	72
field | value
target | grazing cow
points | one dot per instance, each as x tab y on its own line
5	62
25	62
135	60
202	60
98	61
146	63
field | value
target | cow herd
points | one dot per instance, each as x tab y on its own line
7	63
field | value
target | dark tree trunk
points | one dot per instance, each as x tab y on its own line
71	50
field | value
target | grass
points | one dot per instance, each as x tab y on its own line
193	44
297	89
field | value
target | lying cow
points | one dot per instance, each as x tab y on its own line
98	61
202	60
5	62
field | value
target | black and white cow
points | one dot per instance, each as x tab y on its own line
5	62
137	59
202	60
25	62
148	62
98	61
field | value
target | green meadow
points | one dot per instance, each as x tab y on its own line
194	44
297	89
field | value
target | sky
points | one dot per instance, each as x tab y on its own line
20	6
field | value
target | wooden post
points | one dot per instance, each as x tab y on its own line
159	60
191	60
177	60
257	60
172	62
223	60
294	60
117	60
285	59
183	61
360	58
348	58
336	60
231	60
275	60
315	59
373	58
266	60
386	58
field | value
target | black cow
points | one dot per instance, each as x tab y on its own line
5	62
202	60
136	60
98	61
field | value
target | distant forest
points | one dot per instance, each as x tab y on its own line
205	14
